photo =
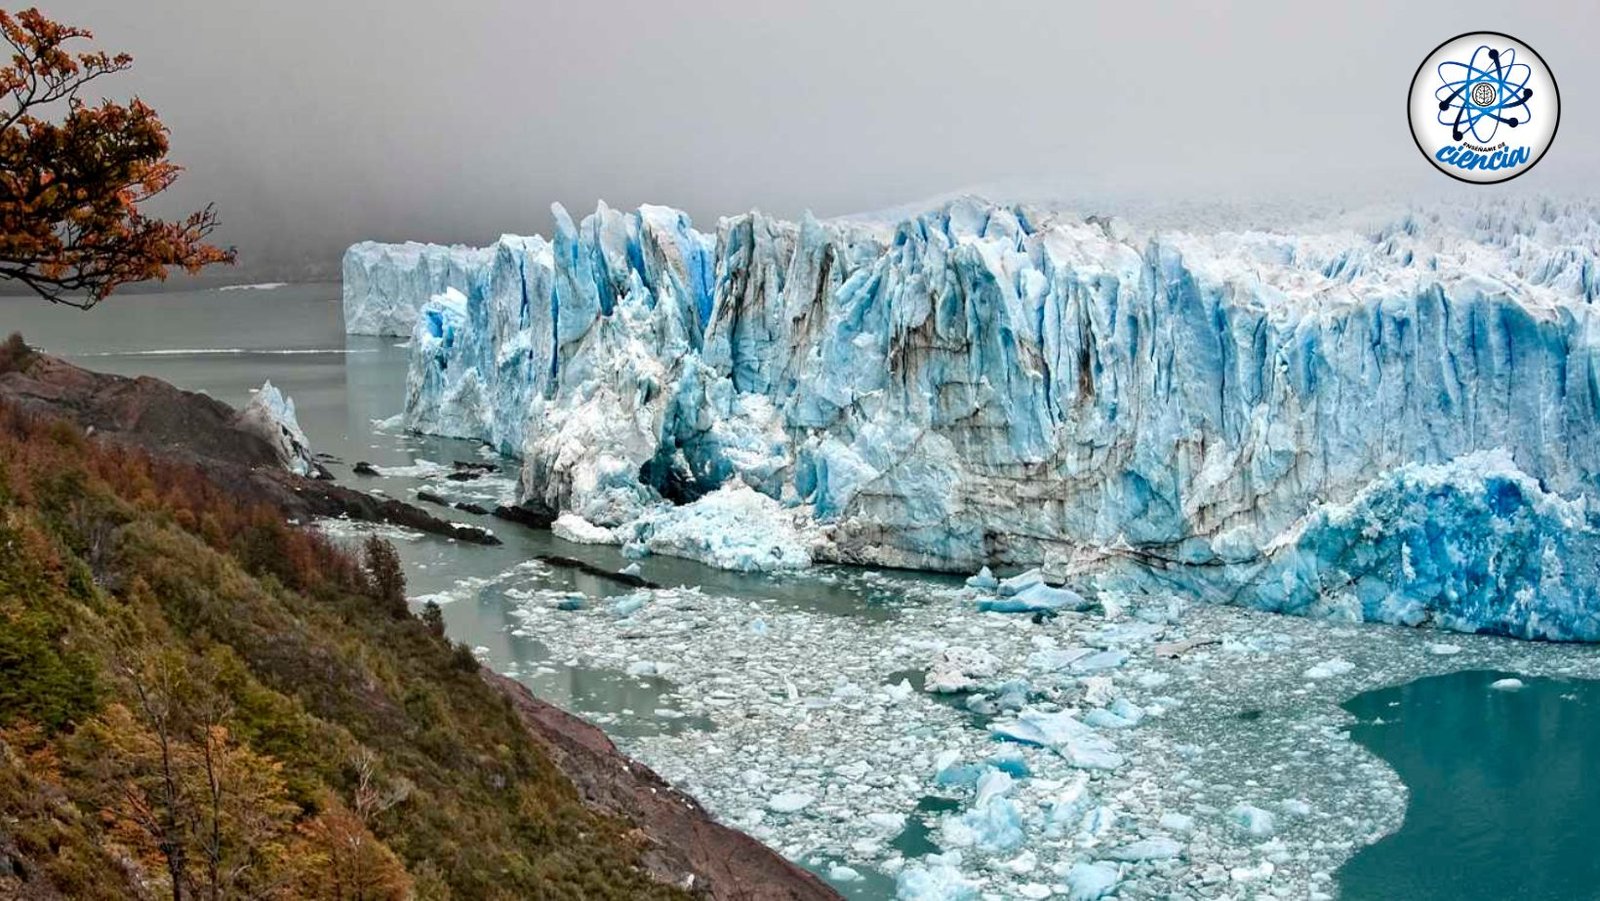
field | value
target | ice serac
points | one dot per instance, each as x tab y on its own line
270	415
983	384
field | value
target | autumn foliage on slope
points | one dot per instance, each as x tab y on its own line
200	701
74	174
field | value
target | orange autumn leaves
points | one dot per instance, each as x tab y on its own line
73	174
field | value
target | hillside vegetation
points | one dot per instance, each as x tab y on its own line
198	700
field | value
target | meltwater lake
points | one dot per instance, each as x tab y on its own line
1279	757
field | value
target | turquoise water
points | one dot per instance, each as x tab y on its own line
1505	790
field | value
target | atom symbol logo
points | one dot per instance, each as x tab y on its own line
1496	86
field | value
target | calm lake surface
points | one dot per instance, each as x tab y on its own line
1505	787
1505	790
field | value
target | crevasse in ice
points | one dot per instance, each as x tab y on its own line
982	384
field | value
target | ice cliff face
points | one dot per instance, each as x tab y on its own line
385	285
983	384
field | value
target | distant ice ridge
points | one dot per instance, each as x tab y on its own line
385	285
983	384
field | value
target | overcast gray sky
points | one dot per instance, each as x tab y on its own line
314	123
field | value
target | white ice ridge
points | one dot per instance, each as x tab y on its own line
270	414
385	285
983	384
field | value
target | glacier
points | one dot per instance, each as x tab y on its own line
1237	412
385	285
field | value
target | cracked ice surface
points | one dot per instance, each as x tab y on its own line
1234	776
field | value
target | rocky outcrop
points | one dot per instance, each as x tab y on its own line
151	414
687	848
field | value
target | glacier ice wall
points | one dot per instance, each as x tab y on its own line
385	285
983	384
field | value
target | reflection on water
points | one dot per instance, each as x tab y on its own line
1505	799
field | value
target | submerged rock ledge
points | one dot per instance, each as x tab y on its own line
983	384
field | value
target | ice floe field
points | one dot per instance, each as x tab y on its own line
1151	747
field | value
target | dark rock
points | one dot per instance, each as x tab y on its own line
199	430
471	508
432	498
525	516
363	468
599	572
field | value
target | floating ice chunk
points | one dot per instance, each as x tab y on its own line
1258	873
1252	820
632	569
574	528
1104	660
1176	822
959	669
734	527
1098	821
629	604
1146	849
1026	862
993	825
1054	659
1020	581
983	581
1295	807
1080	744
1011	762
640	668
842	873
790	802
898	692
993	784
1506	685
1034	598
1036	727
1440	649
1091	881
887	822
1122	714
937	878
1126	634
1035	890
957	775
854	771
1327	669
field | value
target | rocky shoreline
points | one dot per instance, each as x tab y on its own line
687	848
